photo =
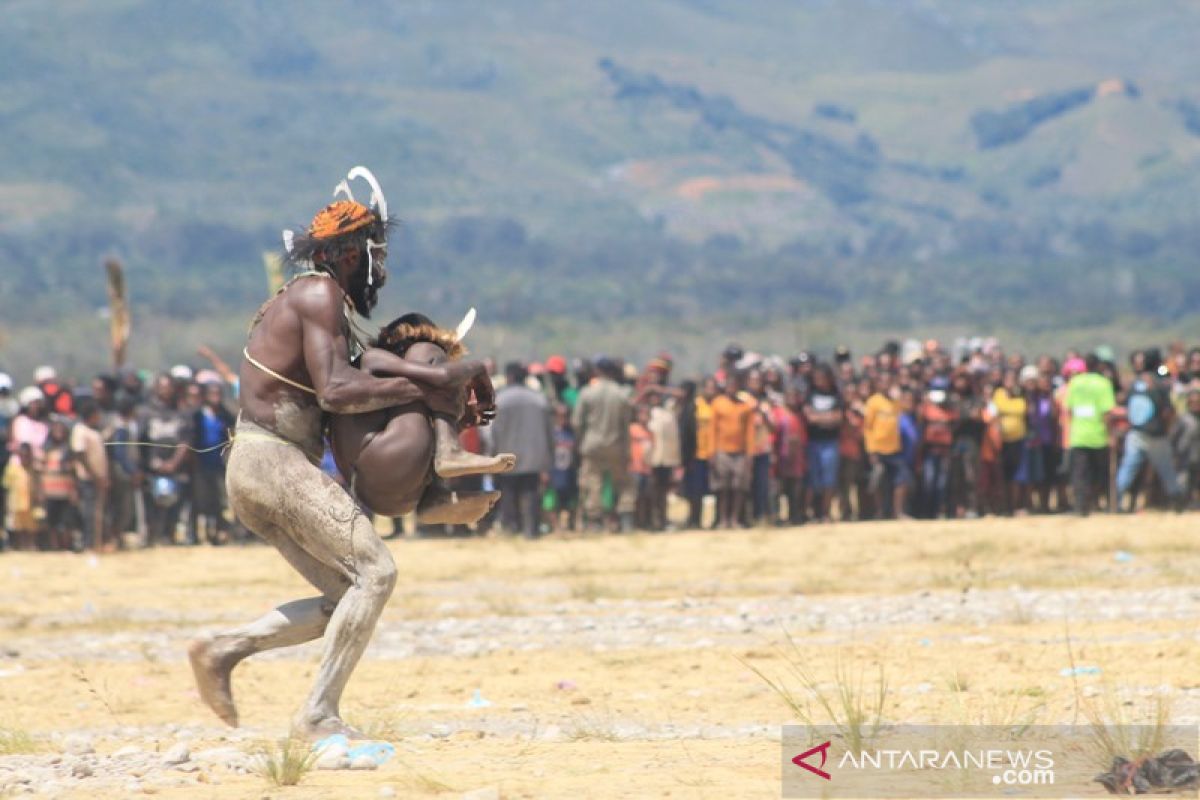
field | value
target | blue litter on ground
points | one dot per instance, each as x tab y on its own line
1067	672
379	752
478	700
1123	557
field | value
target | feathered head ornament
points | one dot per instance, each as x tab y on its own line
345	223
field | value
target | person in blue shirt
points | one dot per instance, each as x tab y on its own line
910	435
211	425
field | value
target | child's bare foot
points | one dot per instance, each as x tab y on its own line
461	462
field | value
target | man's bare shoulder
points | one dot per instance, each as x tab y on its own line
315	296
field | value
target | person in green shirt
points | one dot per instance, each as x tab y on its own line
1089	401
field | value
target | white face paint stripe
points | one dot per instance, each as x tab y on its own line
371	244
289	239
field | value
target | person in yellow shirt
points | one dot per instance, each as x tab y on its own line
731	437
1012	410
881	436
696	444
20	484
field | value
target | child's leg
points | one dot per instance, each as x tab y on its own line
452	461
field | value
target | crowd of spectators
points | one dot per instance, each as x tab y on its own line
128	460
912	430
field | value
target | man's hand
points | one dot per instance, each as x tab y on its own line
484	394
463	373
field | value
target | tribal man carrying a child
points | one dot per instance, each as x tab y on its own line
297	374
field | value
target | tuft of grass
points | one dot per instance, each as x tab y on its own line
958	681
502	605
386	727
286	762
592	728
851	706
16	741
1118	727
421	781
113	703
589	590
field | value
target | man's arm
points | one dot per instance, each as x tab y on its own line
339	387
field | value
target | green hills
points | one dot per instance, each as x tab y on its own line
607	175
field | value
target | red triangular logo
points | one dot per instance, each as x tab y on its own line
823	749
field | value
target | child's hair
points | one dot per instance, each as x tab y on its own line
403	332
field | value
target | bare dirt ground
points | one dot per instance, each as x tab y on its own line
614	666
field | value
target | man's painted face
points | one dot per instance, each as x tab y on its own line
364	296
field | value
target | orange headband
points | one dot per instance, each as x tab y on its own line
338	218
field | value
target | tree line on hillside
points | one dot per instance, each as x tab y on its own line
996	270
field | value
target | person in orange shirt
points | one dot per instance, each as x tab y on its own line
881	435
760	446
731	437
640	443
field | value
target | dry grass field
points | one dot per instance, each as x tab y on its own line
617	666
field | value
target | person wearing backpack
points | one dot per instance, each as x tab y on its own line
1150	417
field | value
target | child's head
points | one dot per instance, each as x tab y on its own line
25	453
403	332
562	417
643	413
58	429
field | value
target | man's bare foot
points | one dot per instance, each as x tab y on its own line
440	506
326	726
212	674
457	463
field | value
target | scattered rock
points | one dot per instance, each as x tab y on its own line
220	755
178	754
81	769
363	762
126	752
387	791
551	733
486	793
79	744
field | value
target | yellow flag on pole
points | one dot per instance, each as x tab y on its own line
120	324
273	264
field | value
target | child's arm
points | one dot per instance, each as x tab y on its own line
451	376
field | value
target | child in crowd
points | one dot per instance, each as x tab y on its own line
640	442
59	491
564	475
20	486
